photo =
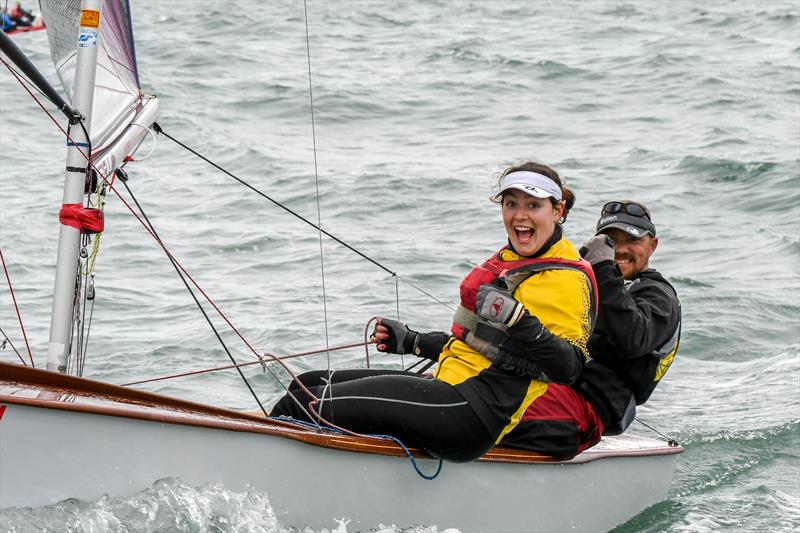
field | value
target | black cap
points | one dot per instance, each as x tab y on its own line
632	225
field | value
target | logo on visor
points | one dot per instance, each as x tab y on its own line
632	231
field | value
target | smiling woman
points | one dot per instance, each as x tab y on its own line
524	320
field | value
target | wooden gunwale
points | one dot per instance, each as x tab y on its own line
118	401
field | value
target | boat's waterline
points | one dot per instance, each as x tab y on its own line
121	444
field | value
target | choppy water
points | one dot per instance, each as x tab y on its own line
691	108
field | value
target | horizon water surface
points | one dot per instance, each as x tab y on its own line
690	107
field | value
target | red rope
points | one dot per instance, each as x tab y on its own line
19	315
240	365
366	337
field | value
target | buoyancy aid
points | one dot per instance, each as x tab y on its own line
664	353
488	337
638	376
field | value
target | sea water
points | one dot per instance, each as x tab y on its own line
690	107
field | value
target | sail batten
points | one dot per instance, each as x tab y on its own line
117	92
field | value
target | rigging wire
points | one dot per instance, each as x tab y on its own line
397	303
19	315
670	440
82	337
7	340
319	209
88	330
350	247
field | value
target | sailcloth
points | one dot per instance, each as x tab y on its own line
117	93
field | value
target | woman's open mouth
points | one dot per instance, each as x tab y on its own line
524	235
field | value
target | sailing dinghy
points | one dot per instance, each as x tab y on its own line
122	440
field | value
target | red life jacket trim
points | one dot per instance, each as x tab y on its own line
494	267
85	219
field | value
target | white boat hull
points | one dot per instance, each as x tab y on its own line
310	485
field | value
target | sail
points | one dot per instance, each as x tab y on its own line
117	94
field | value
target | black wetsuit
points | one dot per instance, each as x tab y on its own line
420	411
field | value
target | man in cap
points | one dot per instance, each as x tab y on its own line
632	346
638	327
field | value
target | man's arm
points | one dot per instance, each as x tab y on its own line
636	321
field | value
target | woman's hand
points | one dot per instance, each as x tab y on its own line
391	336
497	305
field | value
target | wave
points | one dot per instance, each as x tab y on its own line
726	170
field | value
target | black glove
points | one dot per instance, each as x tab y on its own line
401	339
598	249
497	305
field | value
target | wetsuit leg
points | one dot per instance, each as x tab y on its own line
316	378
420	411
560	423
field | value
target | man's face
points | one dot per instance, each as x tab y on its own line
632	254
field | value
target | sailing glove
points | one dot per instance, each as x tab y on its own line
598	249
497	305
401	339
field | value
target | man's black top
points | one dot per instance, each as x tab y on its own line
636	319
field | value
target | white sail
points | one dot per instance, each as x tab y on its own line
117	93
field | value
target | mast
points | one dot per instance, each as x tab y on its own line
67	262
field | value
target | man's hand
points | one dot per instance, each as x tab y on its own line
393	337
497	305
598	249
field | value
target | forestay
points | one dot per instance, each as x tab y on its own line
117	93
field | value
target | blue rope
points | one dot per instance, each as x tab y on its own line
411	457
397	441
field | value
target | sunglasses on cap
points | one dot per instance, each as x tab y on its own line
631	208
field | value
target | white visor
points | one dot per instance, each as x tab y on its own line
531	183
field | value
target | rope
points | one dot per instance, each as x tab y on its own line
397	441
303	423
241	365
19	315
